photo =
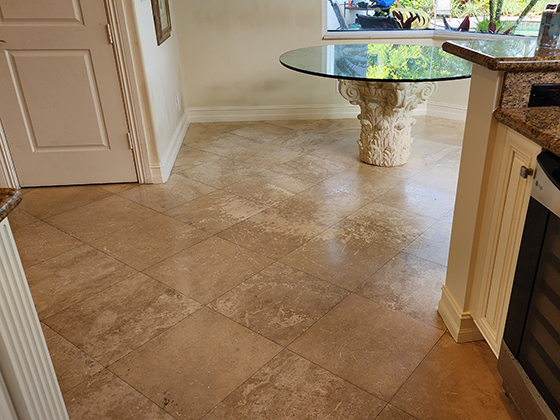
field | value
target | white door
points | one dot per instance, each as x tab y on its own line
61	105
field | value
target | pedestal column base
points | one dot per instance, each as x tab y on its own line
386	117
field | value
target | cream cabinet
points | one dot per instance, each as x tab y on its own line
505	207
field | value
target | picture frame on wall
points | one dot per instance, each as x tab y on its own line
162	19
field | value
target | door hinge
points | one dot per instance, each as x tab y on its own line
130	144
110	34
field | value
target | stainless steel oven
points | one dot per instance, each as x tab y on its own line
532	332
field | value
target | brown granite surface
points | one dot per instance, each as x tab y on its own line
516	89
539	124
514	55
9	199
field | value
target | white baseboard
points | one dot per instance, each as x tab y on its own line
460	324
162	170
443	110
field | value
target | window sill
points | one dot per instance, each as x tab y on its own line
434	34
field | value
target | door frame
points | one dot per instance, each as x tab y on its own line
120	18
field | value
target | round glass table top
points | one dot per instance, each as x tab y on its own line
378	62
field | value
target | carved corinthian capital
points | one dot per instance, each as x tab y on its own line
386	117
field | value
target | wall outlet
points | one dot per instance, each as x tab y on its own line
545	94
178	101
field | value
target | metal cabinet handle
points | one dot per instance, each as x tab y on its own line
526	172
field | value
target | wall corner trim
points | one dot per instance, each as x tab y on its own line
460	324
162	172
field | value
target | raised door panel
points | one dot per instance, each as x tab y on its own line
504	216
41	12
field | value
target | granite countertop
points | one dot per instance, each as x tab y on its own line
9	199
513	55
539	124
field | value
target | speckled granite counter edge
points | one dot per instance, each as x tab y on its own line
517	64
9	199
534	132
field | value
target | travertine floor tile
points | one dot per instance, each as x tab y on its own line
272	234
100	218
208	269
367	344
262	131
72	365
197	132
269	189
71	277
216	212
107	397
39	241
280	302
454	382
291	387
421	199
149	241
221	173
339	258
433	245
118	188
18	218
46	202
303	141
392	413
196	364
310	168
385	225
162	197
190	157
265	155
410	285
111	324
226	144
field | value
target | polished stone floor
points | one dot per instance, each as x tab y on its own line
274	276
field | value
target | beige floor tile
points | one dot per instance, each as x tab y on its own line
385	225
107	397
225	144
39	241
433	245
117	188
116	321
345	150
262	131
304	141
190	157
101	218
418	198
269	188
369	345
150	241
392	413
455	382
216	211
338	258
72	366
362	180
198	132
442	130
71	277
291	387
310	168
221	173
280	302
409	285
19	218
272	234
163	197
265	155
208	269
196	364
47	202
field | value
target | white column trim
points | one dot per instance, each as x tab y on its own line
460	324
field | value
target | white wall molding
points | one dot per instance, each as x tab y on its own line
460	324
443	110
25	363
170	155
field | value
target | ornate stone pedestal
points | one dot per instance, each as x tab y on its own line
386	117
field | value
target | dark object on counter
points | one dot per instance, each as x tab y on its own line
377	22
545	94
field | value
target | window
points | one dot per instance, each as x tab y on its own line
411	18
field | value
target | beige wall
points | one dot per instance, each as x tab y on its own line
230	50
162	77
